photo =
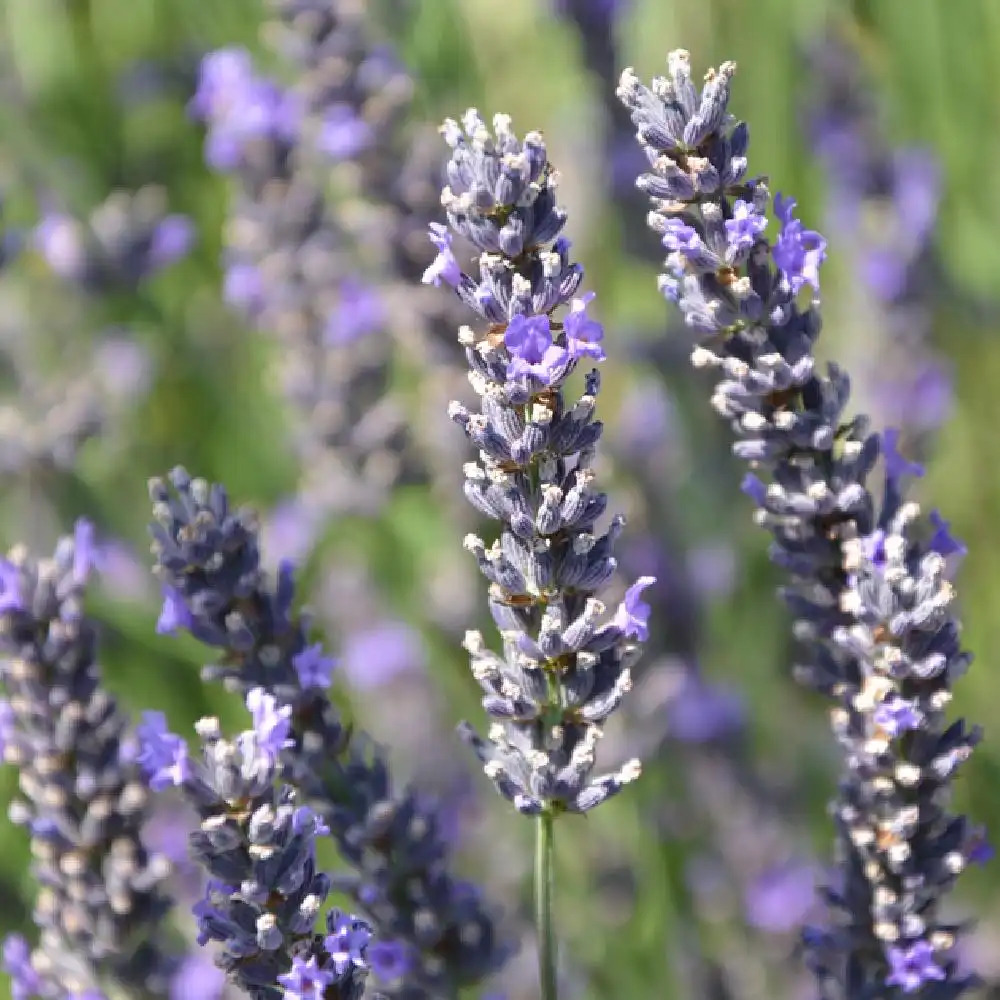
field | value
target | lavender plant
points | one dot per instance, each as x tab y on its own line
435	934
565	666
868	580
259	847
84	801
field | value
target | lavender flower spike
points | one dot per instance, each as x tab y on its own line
101	895
867	579
565	665
438	928
257	844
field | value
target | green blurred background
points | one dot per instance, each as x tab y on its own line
75	128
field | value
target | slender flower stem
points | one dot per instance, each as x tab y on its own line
544	884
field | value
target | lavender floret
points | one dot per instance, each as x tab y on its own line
83	802
870	596
565	665
208	559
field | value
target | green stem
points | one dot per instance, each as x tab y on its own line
544	883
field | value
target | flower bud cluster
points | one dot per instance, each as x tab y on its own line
868	583
83	800
435	932
565	663
258	846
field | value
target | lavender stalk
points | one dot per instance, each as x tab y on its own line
258	844
565	666
435	933
868	580
84	801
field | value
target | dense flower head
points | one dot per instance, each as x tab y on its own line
565	663
868	582
82	799
256	842
208	556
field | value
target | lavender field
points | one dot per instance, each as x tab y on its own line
547	555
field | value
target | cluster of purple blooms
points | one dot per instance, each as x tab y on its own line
565	663
868	580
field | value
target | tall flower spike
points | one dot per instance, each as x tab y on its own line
208	559
565	662
101	904
867	582
258	845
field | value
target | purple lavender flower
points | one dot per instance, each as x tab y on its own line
389	960
680	237
174	614
444	267
314	669
223	74
633	612
911	968
375	656
25	982
306	980
397	863
896	715
359	311
343	134
198	978
534	477
942	541
171	240
798	252
10	587
781	898
128	238
745	226
871	599
271	724
347	942
292	245
533	352
583	334
163	755
258	845
243	287
82	799
59	238
702	712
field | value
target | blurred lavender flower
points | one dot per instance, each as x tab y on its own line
84	802
128	238
375	656
208	559
295	265
565	667
869	594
